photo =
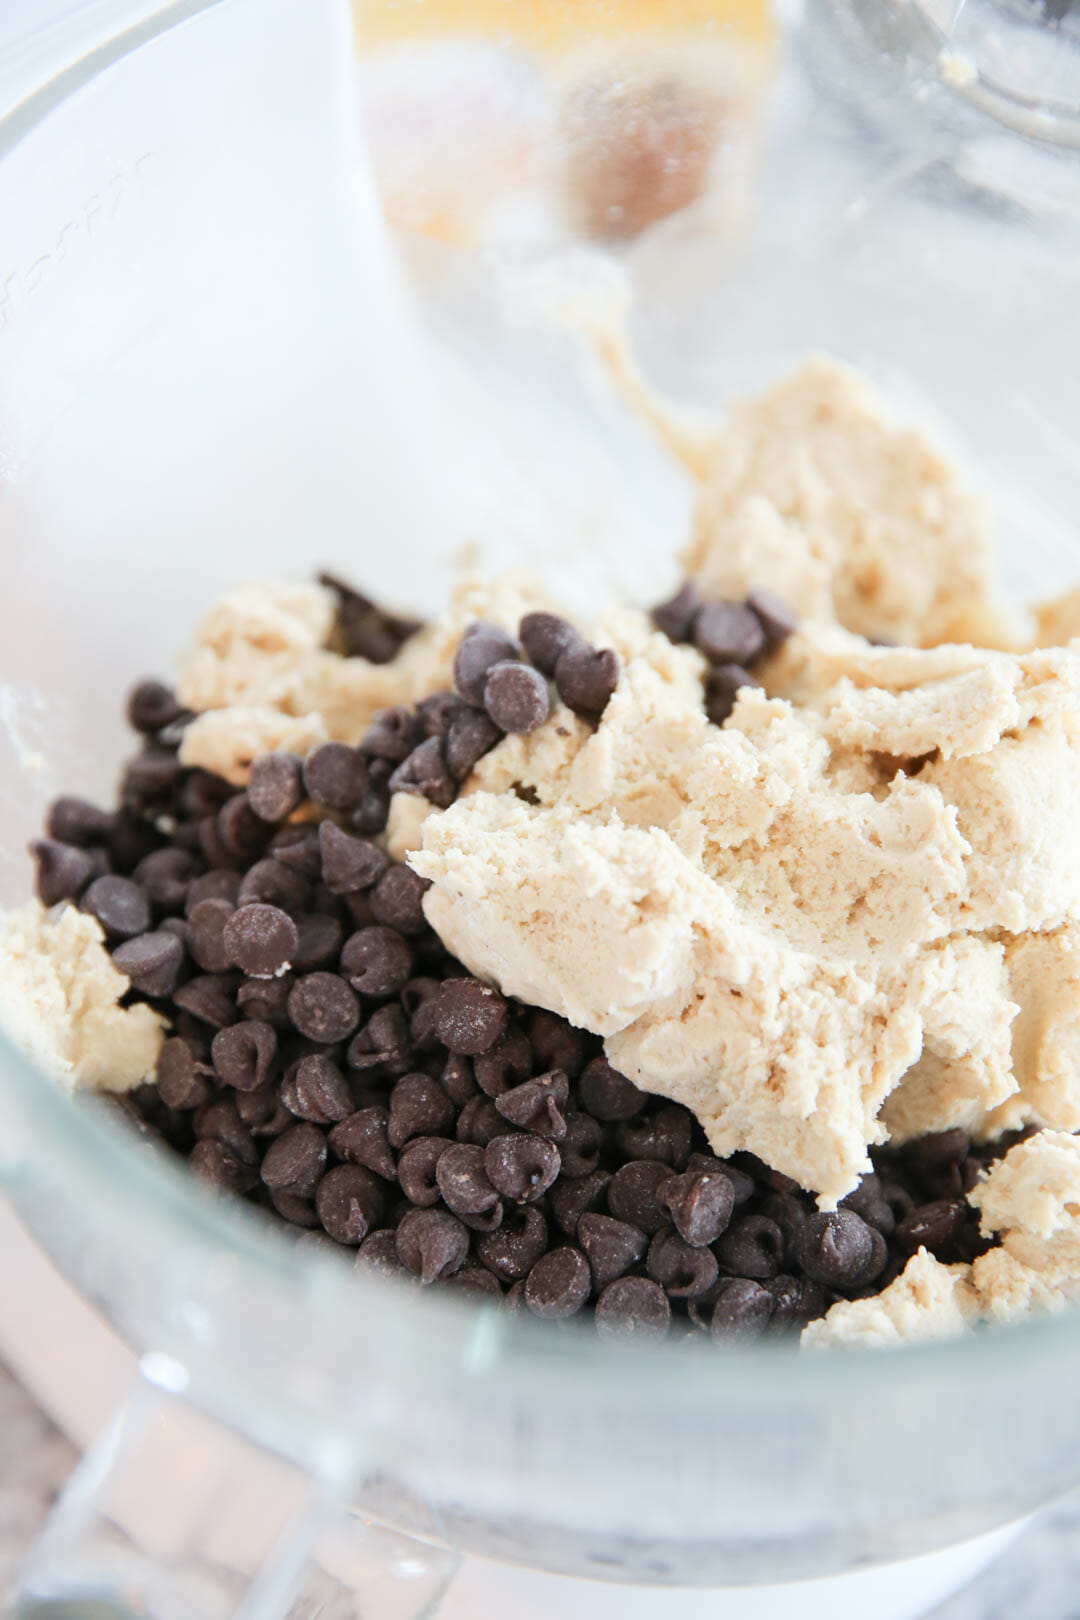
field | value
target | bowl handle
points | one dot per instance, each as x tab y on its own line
171	1516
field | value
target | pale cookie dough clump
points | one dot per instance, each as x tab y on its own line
60	1001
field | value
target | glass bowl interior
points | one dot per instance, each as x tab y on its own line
212	368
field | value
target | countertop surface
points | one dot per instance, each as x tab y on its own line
1038	1579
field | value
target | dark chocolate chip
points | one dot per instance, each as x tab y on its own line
463	1180
262	942
796	1301
426	774
612	1246
418	1107
266	999
580	1147
218	1168
665	1135
538	1105
315	1089
63	870
684	1272
152	705
457	1080
482	646
180	1077
516	696
633	1307
743	1309
607	1094
335	775
348	1203
392	735
397	900
504	1064
676	616
869	1201
210	997
219	1121
378	1255
217	885
774	616
521	1167
559	1284
469	1016
480	1122
728	633
349	863
361	1138
472	734
383	1043
297	848
119	905
753	1246
76	821
634	1194
545	637
318	941
833	1248
322	1006
432	1243
206	935
436	714
273	883
295	1161
475	1280
377	961
152	962
275	785
417	1170
240	830
699	1205
722	684
245	1054
586	678
570	1200
556	1044
298	1212
166	875
512	1251
934	1226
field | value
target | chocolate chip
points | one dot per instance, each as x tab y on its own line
728	633
417	1170
165	875
322	1006
699	1205
152	705
262	942
426	774
869	1201
210	998
367	630
376	961
796	1301
684	1272
384	1043
272	882
753	1246
545	637
743	1309
206	935
607	1094
633	1307
580	1147
559	1284
538	1105
833	1248
348	1203
436	714
774	616
516	696
132	838
676	616
482	646
432	1243
933	1226
472	734
335	775
475	1280
512	1251
372	813
457	1080
723	683
119	905
149	779
212	886
315	1089
665	1135
463	1180
152	962
181	1079
220	1169
219	1121
275	785
361	1138
245	1054
556	1044
418	1107
521	1167
469	1016
299	1212
503	1064
349	863
570	1200
203	794
392	735
241	831
262	1111
298	850
378	1255
266	999
397	900
586	678
63	870
76	821
318	941
634	1194
295	1161
612	1246
480	1122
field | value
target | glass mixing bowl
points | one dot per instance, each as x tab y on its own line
216	363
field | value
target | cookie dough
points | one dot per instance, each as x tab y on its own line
60	1002
1031	1197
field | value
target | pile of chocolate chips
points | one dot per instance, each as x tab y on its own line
732	636
331	1063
